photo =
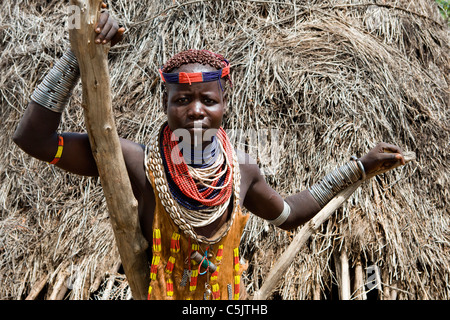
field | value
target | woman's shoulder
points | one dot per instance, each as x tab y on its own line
134	155
248	166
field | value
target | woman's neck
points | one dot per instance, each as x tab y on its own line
200	155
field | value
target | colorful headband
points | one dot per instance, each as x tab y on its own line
183	77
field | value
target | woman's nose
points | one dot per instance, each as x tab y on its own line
196	110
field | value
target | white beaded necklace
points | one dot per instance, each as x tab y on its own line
184	218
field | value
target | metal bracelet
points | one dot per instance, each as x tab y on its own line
55	90
282	217
334	182
360	166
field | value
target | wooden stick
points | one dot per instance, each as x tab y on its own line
37	288
359	286
305	232
110	282
60	287
393	295
106	148
345	275
316	292
342	272
109	286
99	279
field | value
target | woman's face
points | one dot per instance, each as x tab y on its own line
195	108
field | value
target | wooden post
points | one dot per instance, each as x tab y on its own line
283	263
105	144
36	290
342	272
359	286
345	275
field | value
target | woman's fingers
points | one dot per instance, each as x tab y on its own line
118	36
391	158
392	152
107	32
108	29
383	157
386	147
400	158
104	16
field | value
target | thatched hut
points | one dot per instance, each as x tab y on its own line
327	79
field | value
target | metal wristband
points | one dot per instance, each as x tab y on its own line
336	181
360	166
282	217
55	90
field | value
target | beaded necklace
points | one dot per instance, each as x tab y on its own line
207	179
194	196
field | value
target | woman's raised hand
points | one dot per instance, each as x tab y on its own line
108	29
382	158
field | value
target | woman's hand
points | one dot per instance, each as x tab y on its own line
382	158
108	29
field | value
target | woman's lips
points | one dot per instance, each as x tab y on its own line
196	126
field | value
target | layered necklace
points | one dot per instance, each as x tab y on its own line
198	193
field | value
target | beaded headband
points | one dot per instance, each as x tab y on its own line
183	77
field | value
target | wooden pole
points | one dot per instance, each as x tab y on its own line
105	144
305	232
359	286
60	287
345	275
36	290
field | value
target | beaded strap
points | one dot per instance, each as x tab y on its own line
183	77
59	150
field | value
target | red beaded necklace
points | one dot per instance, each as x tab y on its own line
179	171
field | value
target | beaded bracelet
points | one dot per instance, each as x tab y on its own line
59	151
55	90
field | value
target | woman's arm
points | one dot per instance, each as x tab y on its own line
37	134
266	203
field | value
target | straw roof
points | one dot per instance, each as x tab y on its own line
325	79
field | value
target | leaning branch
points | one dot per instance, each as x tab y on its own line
106	148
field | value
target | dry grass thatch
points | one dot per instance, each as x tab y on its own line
332	77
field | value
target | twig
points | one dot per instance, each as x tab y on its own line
384	5
37	288
132	25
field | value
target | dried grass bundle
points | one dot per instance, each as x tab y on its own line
328	79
